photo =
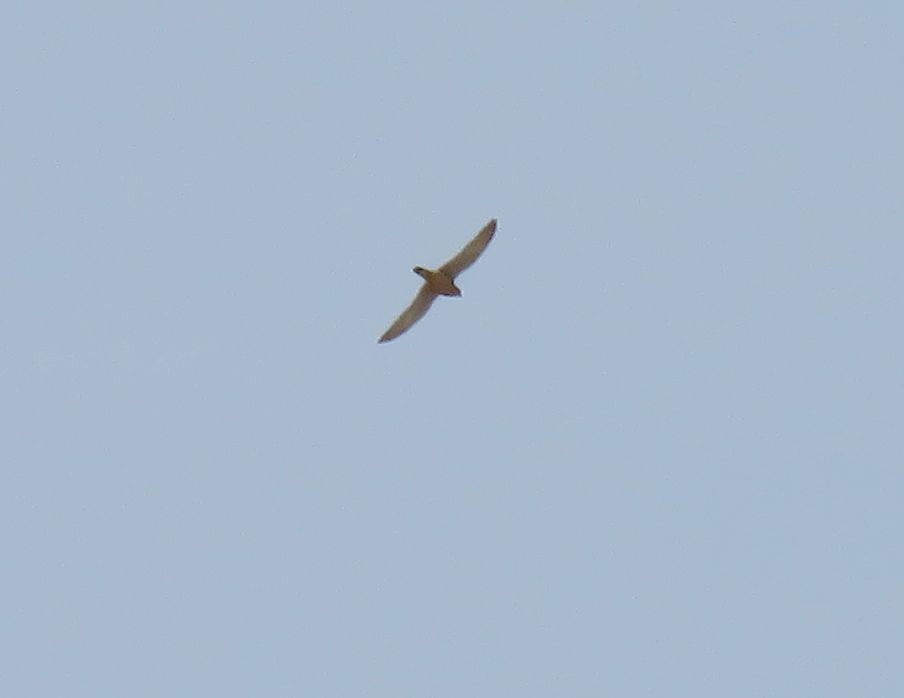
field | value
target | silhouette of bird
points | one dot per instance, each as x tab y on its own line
440	282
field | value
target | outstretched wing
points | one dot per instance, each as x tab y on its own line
470	252
414	312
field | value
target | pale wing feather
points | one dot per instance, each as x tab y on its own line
470	252
414	312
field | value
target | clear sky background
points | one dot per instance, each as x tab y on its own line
655	449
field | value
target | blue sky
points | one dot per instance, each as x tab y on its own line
655	448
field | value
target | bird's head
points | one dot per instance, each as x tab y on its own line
420	271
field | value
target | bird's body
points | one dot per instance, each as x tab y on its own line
440	282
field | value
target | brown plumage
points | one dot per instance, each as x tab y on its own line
440	282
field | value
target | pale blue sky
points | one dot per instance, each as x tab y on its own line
655	449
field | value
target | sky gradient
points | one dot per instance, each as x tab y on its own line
655	449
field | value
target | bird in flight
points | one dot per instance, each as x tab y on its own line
440	282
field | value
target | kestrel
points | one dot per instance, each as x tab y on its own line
440	282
